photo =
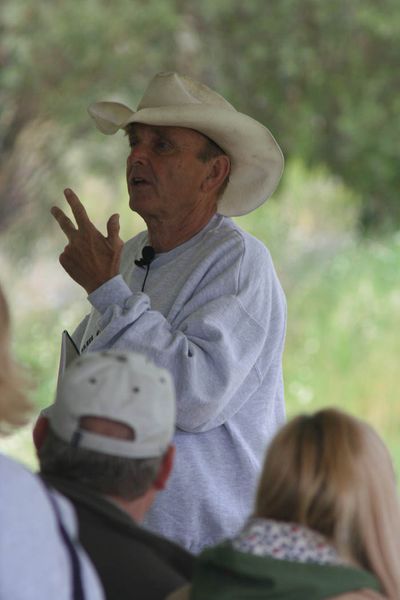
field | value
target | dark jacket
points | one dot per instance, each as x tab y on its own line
132	563
225	574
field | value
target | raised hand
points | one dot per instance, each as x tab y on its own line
89	258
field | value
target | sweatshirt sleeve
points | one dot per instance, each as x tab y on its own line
212	347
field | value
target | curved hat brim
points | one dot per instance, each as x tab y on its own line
256	159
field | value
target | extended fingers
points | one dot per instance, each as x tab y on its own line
78	209
79	212
64	222
113	227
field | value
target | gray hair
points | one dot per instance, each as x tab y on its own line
211	150
127	478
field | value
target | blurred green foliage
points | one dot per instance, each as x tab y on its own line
343	290
322	75
56	58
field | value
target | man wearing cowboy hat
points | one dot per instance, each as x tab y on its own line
194	292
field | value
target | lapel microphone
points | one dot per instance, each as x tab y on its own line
148	255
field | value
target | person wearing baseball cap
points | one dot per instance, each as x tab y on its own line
108	450
195	293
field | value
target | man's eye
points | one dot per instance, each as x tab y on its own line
132	142
163	146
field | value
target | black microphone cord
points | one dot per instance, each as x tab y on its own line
145	277
148	255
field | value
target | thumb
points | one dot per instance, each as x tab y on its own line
113	227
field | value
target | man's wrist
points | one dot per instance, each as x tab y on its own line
112	291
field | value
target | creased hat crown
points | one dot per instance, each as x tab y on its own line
171	89
176	100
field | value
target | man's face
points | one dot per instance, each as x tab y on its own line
164	172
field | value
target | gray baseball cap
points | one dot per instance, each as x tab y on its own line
120	386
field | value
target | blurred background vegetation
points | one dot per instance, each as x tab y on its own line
323	76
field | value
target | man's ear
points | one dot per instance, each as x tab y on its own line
165	469
40	430
219	170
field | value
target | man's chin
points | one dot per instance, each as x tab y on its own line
140	207
135	203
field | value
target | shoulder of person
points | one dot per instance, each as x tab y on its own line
178	557
182	593
230	246
228	229
31	491
359	595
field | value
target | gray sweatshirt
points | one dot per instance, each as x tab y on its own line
214	314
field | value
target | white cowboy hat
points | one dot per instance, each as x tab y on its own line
172	99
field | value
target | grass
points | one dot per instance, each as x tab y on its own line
342	346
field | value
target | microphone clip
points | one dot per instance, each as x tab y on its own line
148	255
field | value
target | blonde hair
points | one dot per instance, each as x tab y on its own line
331	472
14	406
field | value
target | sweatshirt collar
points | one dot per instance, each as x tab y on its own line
165	257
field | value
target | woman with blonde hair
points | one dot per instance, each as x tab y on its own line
326	523
39	553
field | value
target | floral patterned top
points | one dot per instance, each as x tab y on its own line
285	541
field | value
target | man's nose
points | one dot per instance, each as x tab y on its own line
137	154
